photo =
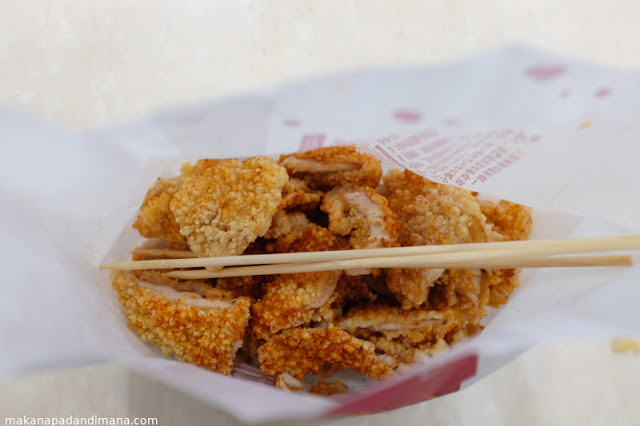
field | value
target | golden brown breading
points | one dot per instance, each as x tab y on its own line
406	334
225	208
349	290
202	331
363	215
411	287
313	238
511	220
384	317
462	288
323	387
284	223
431	213
352	289
301	351
200	287
251	286
329	167
292	300
200	166
156	220
297	195
500	284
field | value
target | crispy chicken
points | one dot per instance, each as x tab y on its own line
223	209
296	195
405	335
301	351
291	300
363	215
156	220
326	168
204	331
284	223
511	222
431	213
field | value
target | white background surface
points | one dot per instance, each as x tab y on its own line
86	64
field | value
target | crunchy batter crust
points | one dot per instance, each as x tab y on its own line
202	331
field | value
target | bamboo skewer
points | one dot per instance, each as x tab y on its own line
454	253
419	261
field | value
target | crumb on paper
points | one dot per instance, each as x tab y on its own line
626	344
334	387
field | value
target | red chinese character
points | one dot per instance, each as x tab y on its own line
519	137
411	154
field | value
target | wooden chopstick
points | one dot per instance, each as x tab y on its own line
419	261
505	250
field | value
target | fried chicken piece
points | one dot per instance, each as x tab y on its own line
292	300
156	220
301	351
352	289
431	213
363	215
411	287
383	318
225	208
297	195
284	223
312	238
251	286
349	290
203	331
461	288
406	335
512	222
201	287
325	168
500	284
